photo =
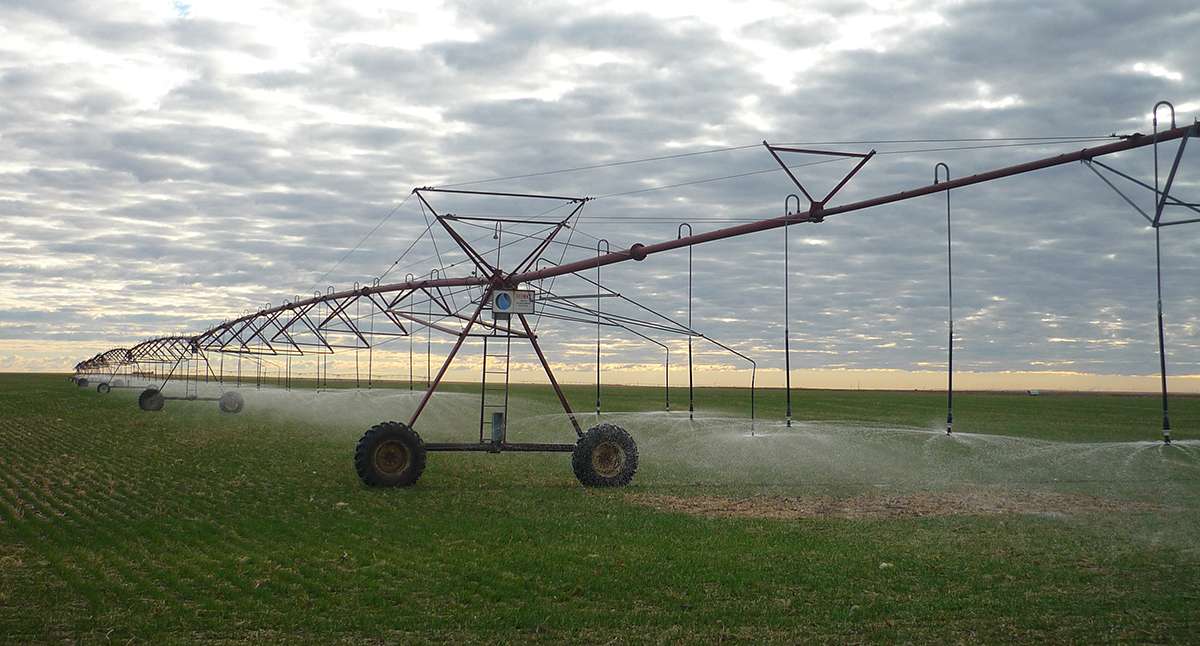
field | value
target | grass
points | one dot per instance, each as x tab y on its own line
188	525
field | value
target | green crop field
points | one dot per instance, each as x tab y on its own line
1053	518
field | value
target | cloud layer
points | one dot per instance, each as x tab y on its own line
165	166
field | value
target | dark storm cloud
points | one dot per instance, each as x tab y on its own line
187	160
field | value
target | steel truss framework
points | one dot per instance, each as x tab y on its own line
333	321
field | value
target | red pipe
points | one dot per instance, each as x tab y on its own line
639	251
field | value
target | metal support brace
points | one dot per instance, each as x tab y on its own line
787	294
949	306
691	377
1162	199
607	249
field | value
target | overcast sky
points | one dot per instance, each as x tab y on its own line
167	165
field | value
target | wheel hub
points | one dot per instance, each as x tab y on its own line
608	458
391	457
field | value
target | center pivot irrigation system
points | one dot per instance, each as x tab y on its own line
518	287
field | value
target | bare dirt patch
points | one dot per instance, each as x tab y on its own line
909	505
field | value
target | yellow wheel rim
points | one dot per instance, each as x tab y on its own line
607	459
391	457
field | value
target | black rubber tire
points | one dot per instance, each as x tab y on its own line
606	456
231	402
390	454
151	400
82	383
103	388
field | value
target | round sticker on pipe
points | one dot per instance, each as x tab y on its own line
512	301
